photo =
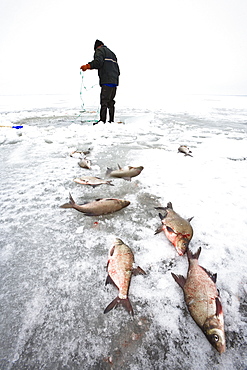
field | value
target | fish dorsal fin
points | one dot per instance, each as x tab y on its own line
189	219
71	199
169	205
119	167
218	307
179	279
213	277
98	199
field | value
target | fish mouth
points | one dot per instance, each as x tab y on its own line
126	203
221	349
182	246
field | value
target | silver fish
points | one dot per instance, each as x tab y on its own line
125	173
185	150
85	152
203	301
177	229
97	207
85	163
120	269
92	181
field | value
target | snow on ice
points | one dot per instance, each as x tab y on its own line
53	260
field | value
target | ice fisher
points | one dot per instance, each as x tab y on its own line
108	70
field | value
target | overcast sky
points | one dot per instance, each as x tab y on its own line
163	47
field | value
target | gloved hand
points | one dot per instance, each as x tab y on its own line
85	67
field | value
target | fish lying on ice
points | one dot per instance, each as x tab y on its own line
93	181
120	269
97	207
125	173
85	163
203	301
177	229
184	149
85	152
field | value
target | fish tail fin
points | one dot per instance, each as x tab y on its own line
110	183
125	302
193	256
70	204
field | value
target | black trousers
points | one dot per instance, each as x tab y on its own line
107	101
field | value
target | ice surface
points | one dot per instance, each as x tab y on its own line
53	260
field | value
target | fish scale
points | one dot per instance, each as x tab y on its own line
120	267
196	301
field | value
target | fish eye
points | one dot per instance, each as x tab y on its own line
215	337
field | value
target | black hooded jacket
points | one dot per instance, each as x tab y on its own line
106	63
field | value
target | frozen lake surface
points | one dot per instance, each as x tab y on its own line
53	260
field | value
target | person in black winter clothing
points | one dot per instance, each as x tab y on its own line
105	61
